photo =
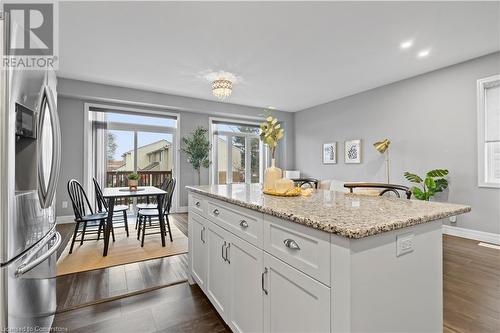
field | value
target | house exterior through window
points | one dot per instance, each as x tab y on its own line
238	155
488	92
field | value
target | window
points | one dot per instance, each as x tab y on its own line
136	144
238	155
122	141
488	93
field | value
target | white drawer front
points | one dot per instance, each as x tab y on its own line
242	222
197	203
302	247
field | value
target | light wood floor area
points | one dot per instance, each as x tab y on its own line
471	285
471	299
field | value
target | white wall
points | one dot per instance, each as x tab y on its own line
430	119
193	113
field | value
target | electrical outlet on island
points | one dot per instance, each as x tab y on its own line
404	244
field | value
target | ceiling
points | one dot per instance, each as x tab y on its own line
287	55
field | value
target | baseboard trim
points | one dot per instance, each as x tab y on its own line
487	237
65	219
182	209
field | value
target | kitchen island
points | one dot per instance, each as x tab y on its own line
328	262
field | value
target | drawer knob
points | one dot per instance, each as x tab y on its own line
291	244
244	224
216	212
197	204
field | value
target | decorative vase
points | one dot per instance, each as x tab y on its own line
271	175
283	185
132	184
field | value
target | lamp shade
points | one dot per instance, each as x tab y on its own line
382	146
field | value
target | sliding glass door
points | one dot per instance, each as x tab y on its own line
124	143
119	156
238	154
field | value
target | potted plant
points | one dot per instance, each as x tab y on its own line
433	183
271	133
197	148
133	180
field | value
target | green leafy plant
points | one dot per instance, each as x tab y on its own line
433	183
271	133
197	149
133	176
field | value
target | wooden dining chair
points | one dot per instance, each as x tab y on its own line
146	215
384	188
119	211
148	204
86	221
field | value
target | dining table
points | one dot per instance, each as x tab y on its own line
112	193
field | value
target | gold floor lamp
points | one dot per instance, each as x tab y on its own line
383	147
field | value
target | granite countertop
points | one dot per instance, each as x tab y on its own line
344	214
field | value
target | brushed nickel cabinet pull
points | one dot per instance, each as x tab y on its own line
197	204
216	212
263	275
244	224
291	244
228	253
222	253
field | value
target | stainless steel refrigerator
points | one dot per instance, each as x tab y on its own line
30	161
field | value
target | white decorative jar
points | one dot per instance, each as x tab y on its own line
271	175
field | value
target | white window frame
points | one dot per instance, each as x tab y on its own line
213	155
481	131
88	160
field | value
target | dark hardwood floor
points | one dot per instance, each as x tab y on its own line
80	289
179	308
471	281
66	231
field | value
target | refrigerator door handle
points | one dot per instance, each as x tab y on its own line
29	263
48	186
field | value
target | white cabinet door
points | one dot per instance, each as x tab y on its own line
246	302
198	249
294	301
217	283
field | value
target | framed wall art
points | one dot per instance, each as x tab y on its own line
352	150
330	153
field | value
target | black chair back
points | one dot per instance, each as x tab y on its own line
101	204
79	200
167	199
394	188
165	183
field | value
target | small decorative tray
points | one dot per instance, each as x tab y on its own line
295	192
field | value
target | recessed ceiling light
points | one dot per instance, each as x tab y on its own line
406	44
423	53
